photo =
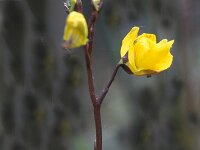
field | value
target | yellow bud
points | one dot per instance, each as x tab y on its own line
96	4
76	30
72	3
145	56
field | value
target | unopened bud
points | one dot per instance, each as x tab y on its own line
97	4
76	30
69	5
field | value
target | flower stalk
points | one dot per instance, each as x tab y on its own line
97	101
106	89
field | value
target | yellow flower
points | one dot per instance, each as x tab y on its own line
144	55
76	30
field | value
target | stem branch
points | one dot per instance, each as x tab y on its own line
105	90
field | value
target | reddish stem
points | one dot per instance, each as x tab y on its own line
91	29
97	117
96	102
105	90
78	6
90	76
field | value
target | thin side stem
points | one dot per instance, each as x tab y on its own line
106	89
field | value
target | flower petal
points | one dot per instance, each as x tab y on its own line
165	56
152	37
131	59
129	38
142	48
157	57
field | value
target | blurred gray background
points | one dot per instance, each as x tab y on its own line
44	99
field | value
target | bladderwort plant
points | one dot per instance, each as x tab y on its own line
140	55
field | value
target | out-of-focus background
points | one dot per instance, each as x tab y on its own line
44	99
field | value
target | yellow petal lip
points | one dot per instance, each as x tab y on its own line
145	55
76	30
167	57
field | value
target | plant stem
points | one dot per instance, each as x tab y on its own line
97	117
95	101
91	29
90	77
96	104
79	6
97	110
88	58
105	90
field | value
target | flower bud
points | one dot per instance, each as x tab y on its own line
96	4
145	56
69	4
76	30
